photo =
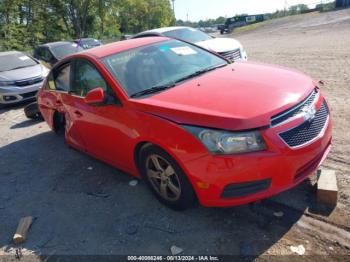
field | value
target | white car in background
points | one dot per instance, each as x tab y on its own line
230	48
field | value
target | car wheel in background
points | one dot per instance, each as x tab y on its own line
32	111
165	178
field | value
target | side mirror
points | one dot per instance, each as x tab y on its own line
95	96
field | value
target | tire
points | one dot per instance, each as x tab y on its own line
59	123
32	111
168	172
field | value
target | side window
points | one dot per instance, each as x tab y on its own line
46	55
50	82
62	78
86	78
42	54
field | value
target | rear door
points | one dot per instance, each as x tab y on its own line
55	98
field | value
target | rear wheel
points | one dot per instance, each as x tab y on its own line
166	179
59	123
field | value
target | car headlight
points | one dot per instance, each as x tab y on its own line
7	83
225	142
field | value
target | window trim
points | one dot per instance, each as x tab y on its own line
68	63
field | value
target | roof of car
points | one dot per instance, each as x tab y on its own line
9	53
117	47
53	44
85	39
165	29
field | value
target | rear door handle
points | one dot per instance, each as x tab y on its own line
58	102
78	113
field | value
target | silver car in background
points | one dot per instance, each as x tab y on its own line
21	76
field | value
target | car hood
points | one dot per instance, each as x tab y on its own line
22	73
220	44
239	96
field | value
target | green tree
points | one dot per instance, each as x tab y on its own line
27	23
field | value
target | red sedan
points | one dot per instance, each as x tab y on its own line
194	126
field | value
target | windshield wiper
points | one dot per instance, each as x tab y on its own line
159	88
152	90
199	72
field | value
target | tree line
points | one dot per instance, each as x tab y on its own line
27	23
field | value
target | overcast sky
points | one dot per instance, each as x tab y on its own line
204	9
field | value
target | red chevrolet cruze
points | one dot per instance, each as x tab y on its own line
190	123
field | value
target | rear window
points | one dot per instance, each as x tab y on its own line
15	61
89	43
188	34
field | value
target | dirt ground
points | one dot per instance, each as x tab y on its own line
84	207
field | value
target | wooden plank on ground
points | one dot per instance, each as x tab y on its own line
22	229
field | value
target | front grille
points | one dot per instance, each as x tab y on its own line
232	55
282	117
30	94
30	81
308	130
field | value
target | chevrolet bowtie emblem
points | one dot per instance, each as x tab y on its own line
309	113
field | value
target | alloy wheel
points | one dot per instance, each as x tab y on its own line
163	177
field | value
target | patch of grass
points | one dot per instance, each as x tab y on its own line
248	27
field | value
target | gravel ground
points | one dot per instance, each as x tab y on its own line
83	206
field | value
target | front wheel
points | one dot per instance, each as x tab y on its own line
32	111
166	179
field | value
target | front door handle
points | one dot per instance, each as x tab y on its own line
78	113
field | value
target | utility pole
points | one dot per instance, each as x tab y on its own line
174	11
285	7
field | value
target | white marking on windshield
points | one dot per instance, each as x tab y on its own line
23	58
183	50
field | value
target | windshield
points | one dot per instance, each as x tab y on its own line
159	64
188	34
15	61
65	49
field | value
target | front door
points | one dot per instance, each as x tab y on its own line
100	126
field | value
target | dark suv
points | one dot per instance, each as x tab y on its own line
50	53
